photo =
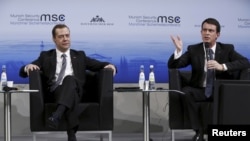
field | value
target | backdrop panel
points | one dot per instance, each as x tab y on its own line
127	33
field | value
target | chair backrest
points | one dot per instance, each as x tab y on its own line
178	78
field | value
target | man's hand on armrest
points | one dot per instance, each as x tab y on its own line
111	67
30	67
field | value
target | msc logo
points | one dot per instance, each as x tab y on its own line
52	17
169	19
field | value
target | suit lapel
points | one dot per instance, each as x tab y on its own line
74	62
201	55
218	52
52	63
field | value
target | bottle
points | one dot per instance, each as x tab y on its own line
3	77
141	77
151	78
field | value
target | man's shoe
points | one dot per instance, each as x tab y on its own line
53	122
198	137
195	137
72	133
72	137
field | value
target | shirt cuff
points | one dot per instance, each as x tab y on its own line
177	54
224	67
25	69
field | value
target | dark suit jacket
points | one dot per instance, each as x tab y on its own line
80	63
195	55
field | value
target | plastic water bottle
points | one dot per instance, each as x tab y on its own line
141	77
3	77
151	78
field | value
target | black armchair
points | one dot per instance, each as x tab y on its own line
178	114
96	109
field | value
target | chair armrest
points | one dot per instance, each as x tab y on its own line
36	99
105	92
177	113
99	89
175	106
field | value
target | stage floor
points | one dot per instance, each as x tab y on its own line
182	135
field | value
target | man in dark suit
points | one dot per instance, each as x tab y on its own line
64	71
226	61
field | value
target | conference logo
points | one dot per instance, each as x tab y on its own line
97	21
52	17
169	19
37	19
161	21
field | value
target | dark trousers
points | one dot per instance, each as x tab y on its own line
193	99
69	95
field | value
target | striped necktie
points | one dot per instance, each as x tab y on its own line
61	74
210	76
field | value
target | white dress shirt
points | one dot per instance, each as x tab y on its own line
69	69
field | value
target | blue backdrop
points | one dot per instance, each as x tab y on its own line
126	33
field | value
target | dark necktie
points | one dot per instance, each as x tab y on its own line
210	76
61	74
